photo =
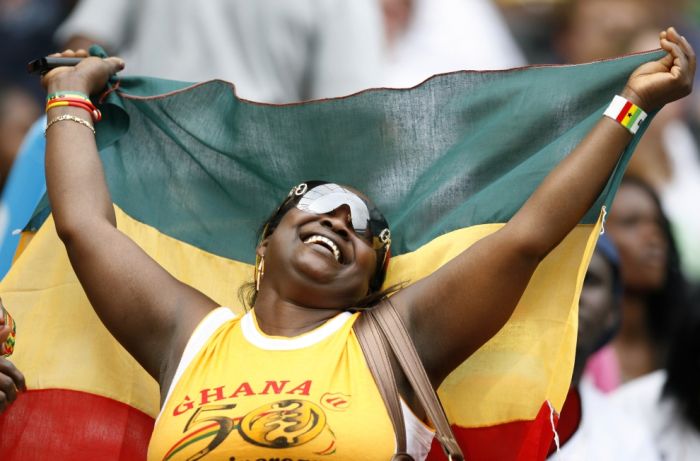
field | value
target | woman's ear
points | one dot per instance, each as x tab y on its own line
262	248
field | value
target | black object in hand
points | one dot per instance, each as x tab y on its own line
43	65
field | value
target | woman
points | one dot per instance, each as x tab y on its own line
318	259
655	291
589	427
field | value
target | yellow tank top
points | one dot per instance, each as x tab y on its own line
240	395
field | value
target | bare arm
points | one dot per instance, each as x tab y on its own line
143	306
458	308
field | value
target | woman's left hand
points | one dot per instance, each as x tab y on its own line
11	379
654	84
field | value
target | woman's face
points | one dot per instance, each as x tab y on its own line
597	309
318	260
635	226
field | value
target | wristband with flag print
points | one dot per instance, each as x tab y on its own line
626	113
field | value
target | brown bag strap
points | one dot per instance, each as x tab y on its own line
376	350
401	343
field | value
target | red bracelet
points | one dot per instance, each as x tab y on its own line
75	102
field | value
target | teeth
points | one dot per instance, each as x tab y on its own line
327	242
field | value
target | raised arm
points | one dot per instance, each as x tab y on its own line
144	307
458	308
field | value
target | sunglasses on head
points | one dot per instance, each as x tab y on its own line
320	197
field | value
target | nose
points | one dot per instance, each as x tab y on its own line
338	221
653	232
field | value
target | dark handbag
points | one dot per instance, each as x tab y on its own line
380	332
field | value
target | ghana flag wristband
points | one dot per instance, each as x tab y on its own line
626	113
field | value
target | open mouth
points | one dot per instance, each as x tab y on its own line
327	243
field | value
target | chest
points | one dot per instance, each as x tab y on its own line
240	401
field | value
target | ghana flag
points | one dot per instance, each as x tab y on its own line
194	170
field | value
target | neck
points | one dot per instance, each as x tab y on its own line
634	345
634	314
277	316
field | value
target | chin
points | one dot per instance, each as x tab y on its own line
651	281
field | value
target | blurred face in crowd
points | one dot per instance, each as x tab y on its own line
397	14
635	226
600	29
597	310
17	113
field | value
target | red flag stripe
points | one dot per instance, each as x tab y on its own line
65	425
513	441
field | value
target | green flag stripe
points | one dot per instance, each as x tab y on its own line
461	149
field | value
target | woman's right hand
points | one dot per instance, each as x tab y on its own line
656	83
89	76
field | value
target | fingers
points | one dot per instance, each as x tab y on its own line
116	64
683	66
689	52
679	57
11	382
89	76
672	35
9	370
83	54
65	54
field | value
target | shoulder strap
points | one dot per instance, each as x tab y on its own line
401	343
376	351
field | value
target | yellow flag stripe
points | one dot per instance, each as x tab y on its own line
528	362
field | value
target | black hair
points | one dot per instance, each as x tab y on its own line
667	305
683	365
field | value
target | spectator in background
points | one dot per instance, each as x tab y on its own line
668	401
18	110
26	27
429	37
273	51
667	157
654	288
600	29
589	427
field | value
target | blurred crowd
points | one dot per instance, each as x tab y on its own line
639	338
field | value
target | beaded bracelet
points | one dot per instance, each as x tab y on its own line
72	118
8	346
626	113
